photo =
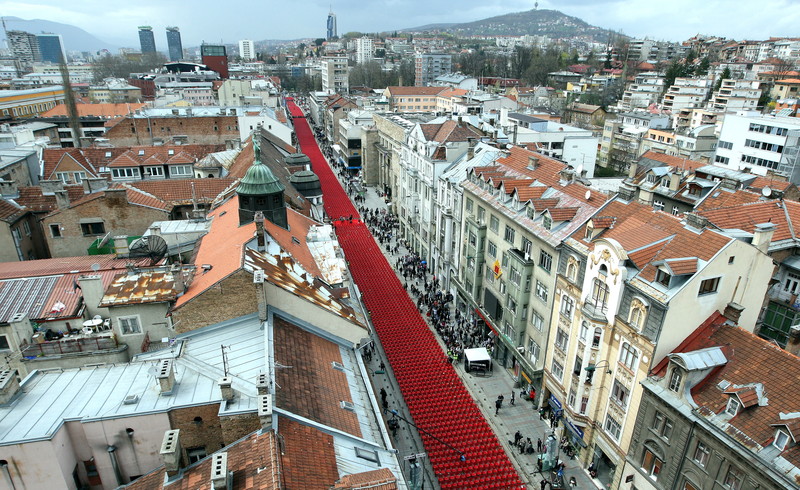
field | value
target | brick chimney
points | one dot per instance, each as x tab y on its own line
733	311
9	386
225	388
265	411
166	376
49	187
116	196
219	471
9	189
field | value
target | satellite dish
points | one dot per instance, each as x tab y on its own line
151	246
95	267
579	170
766	191
588	195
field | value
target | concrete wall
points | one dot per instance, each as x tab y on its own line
39	464
152	319
75	360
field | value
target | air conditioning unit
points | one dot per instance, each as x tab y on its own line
521	350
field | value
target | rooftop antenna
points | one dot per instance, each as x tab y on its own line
224	360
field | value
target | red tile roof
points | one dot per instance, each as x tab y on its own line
309	458
724	198
782	214
750	360
101	110
311	388
381	479
181	191
448	131
425	91
673	161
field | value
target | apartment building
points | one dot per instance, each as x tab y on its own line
645	89
516	213
334	71
429	66
632	284
760	143
413	99
695	144
622	138
736	95
365	50
686	93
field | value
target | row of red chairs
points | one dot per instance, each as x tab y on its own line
437	400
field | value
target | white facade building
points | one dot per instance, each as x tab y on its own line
736	95
759	143
645	90
247	49
334	73
686	93
365	50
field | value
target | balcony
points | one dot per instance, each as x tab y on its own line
595	310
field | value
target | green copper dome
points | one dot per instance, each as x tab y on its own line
259	181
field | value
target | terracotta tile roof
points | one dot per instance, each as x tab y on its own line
93	158
127	159
680	267
10	212
673	161
64	265
448	131
530	192
140	286
381	479
639	227
294	241
453	92
542	204
510	185
774	184
311	388
724	198
782	214
179	191
750	360
254	461
52	157
746	394
100	110
221	248
603	221
562	214
400	91
309	459
286	273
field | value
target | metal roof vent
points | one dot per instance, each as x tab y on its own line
348	405
131	400
337	366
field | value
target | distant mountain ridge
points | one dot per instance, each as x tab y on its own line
550	23
75	38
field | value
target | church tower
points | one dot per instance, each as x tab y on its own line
260	190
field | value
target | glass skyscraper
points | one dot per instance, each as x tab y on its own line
174	44
146	39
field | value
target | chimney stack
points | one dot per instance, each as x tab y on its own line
762	236
533	162
9	189
94	184
225	388
171	451
219	471
9	386
62	199
632	170
674	181
733	311
49	187
262	384
166	376
265	411
258	217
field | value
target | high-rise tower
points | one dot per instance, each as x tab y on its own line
146	39
331	25
174	44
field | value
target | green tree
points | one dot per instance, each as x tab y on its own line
122	66
676	69
726	74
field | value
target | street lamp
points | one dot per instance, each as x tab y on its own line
591	368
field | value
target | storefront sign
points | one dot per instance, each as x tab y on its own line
554	402
526	377
487	322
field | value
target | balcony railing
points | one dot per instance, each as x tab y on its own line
596	310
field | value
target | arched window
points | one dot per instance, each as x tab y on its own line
637	314
572	269
652	461
598	335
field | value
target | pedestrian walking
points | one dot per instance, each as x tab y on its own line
497	404
383	394
573	482
539	445
383	367
539	463
543	484
512	399
517	437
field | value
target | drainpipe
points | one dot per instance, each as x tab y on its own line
7	475
112	453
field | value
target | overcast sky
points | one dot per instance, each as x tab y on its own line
116	21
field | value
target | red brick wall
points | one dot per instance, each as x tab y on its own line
199	130
233	297
235	427
207	433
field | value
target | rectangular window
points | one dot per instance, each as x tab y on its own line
515	276
734	479
541	291
195	454
658	205
124	173
537	320
662	278
584	331
180	170
154	172
725	145
584	404
571	398
612	427
4	345
64	177
78	177
628	356
701	453
55	230
675	380
129	325
619	394
468	205
708	286
558	370
494	223
481	215
562	339
545	260
733	406
89	229
651	464
527	247
492	249
26	228
511	304
533	351
509	234
576	369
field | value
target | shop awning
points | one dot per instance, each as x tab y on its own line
575	432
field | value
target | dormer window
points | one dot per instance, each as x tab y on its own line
547	223
675	380
733	406
663	278
530	212
651	178
781	439
665	182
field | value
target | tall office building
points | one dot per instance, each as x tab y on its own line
331	25
24	47
215	58
51	48
247	49
146	39
174	44
428	66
